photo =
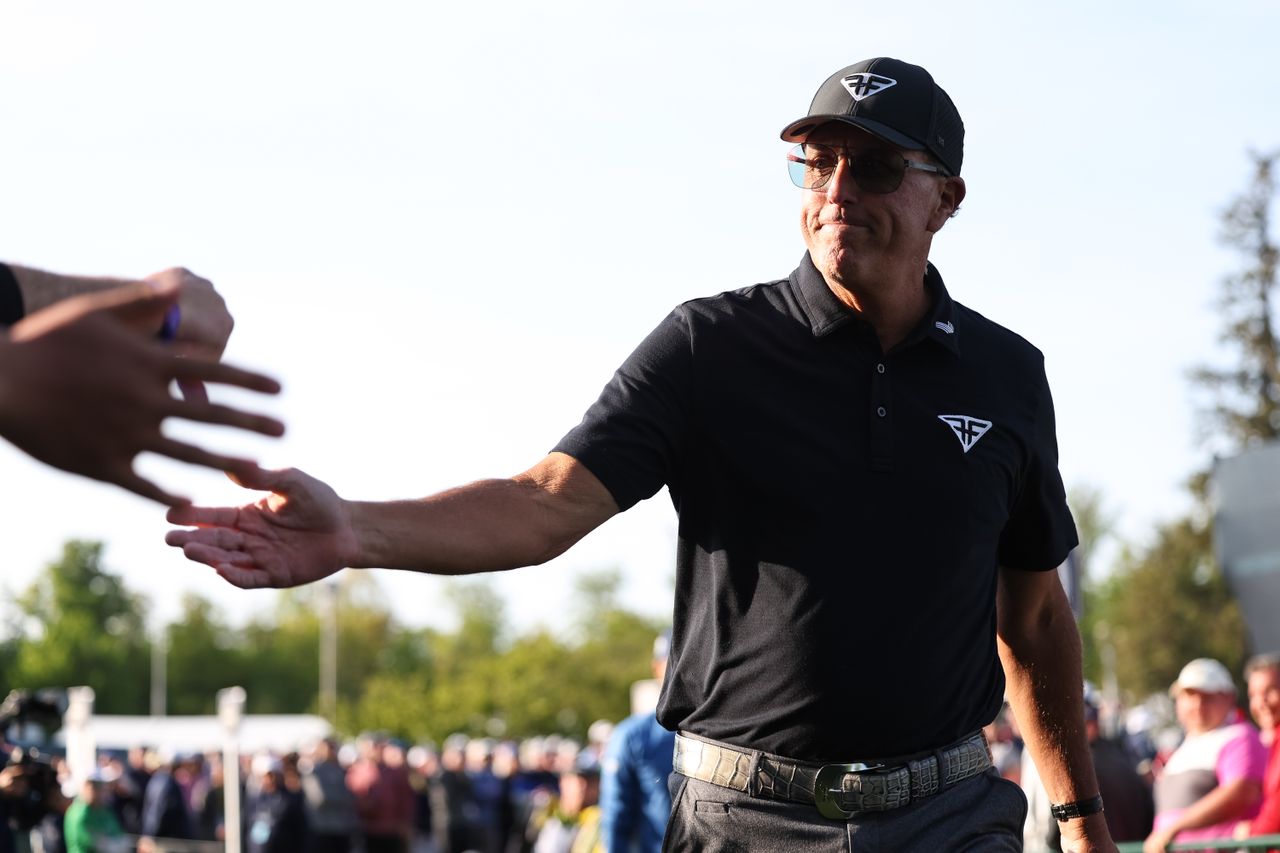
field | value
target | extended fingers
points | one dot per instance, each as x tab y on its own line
210	544
193	391
148	489
194	369
200	516
245	578
220	552
215	413
184	452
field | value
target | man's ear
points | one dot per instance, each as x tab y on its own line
949	200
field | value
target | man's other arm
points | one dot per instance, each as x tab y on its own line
303	531
1039	647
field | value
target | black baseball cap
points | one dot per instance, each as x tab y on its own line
893	100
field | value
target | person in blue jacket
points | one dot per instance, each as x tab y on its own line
634	800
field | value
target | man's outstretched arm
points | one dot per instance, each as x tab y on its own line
1040	649
304	531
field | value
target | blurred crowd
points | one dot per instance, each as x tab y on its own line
1201	762
1198	763
373	795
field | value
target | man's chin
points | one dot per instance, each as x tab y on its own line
843	264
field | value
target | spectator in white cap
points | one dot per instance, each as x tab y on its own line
90	825
1214	778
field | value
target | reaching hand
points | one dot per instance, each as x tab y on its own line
82	391
298	534
205	323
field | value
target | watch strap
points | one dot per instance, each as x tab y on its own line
1080	808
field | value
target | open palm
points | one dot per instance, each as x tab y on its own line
298	534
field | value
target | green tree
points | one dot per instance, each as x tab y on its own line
87	629
284	648
204	655
1095	524
1167	605
1245	406
479	682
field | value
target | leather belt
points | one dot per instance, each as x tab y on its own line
838	790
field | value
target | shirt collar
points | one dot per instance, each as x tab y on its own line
826	313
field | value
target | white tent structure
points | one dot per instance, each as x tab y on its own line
279	733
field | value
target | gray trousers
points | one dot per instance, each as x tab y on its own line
983	814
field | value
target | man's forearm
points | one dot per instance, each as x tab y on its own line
1040	649
489	525
1040	652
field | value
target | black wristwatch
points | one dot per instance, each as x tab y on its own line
1080	808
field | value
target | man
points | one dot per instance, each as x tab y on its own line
85	389
865	474
635	803
1214	778
1262	677
383	796
570	822
90	824
331	807
454	811
164	808
275	817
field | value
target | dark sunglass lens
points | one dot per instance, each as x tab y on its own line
877	173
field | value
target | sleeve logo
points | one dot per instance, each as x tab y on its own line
966	428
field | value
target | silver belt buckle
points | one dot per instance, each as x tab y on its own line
827	786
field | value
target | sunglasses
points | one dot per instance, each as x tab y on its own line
811	166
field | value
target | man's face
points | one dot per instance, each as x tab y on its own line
858	239
1264	697
1201	712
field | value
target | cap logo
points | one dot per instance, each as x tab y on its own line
866	84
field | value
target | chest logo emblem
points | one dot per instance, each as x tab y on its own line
967	428
946	327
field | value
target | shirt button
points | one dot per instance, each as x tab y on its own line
881	411
880	368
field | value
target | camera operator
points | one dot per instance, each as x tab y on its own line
29	792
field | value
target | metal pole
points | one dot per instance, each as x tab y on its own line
230	711
329	653
82	752
159	673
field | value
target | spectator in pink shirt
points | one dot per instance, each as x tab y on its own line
1214	778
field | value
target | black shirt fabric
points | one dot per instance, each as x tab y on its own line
842	512
11	307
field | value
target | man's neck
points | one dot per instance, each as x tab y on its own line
892	308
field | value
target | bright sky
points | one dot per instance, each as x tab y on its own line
442	226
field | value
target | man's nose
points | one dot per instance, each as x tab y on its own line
841	188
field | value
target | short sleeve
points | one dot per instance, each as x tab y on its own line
1242	757
1040	531
632	438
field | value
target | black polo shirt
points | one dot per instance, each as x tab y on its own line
842	512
